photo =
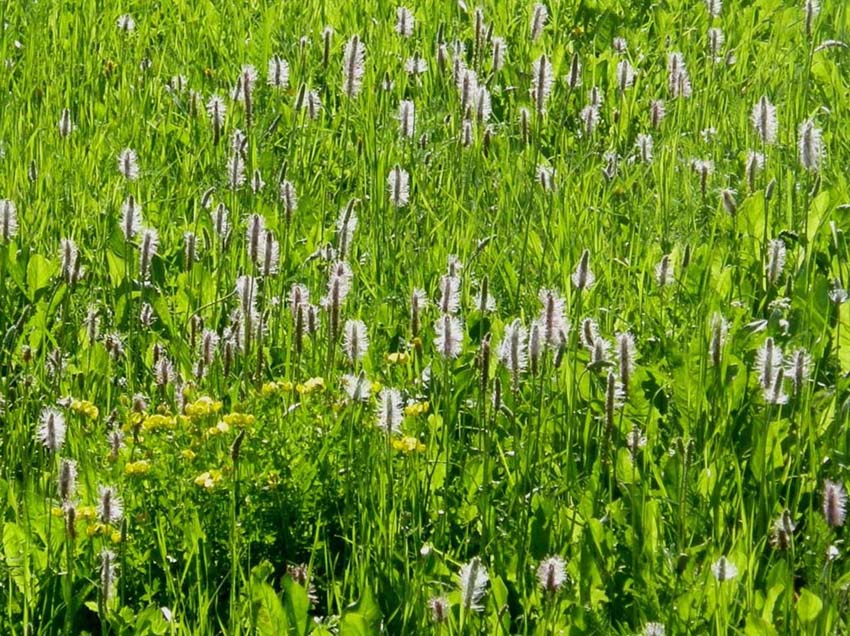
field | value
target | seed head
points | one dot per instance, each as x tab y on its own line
512	351
716	38
574	77
398	184
664	271
345	227
355	340
782	532
269	254
390	413
656	112
755	163
66	126
418	302
551	574
723	569
404	22
810	146
834	503
539	16
583	277
70	260
714	7
439	606
357	387
644	145
109	507
448	336
797	367
473	579
51	430
625	75
542	78
236	171
763	119
148	245
220	222
406	119
107	573
768	363
553	324
353	66
67	479
8	220
500	51
775	261
678	80
125	23
653	629
128	164
278	73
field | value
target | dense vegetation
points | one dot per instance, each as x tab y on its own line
344	318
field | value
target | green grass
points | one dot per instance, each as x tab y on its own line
233	480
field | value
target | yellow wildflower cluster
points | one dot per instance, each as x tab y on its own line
187	453
312	385
202	407
157	421
417	408
96	528
140	467
397	357
276	388
239	420
84	408
86	512
208	479
408	444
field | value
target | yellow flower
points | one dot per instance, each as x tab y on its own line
239	420
96	528
188	453
56	511
408	444
157	421
417	408
140	467
202	407
208	479
311	386
85	408
398	357
115	536
376	387
275	388
86	512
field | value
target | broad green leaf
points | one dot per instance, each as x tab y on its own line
297	606
269	615
39	272
809	606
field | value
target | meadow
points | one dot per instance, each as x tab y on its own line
447	318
